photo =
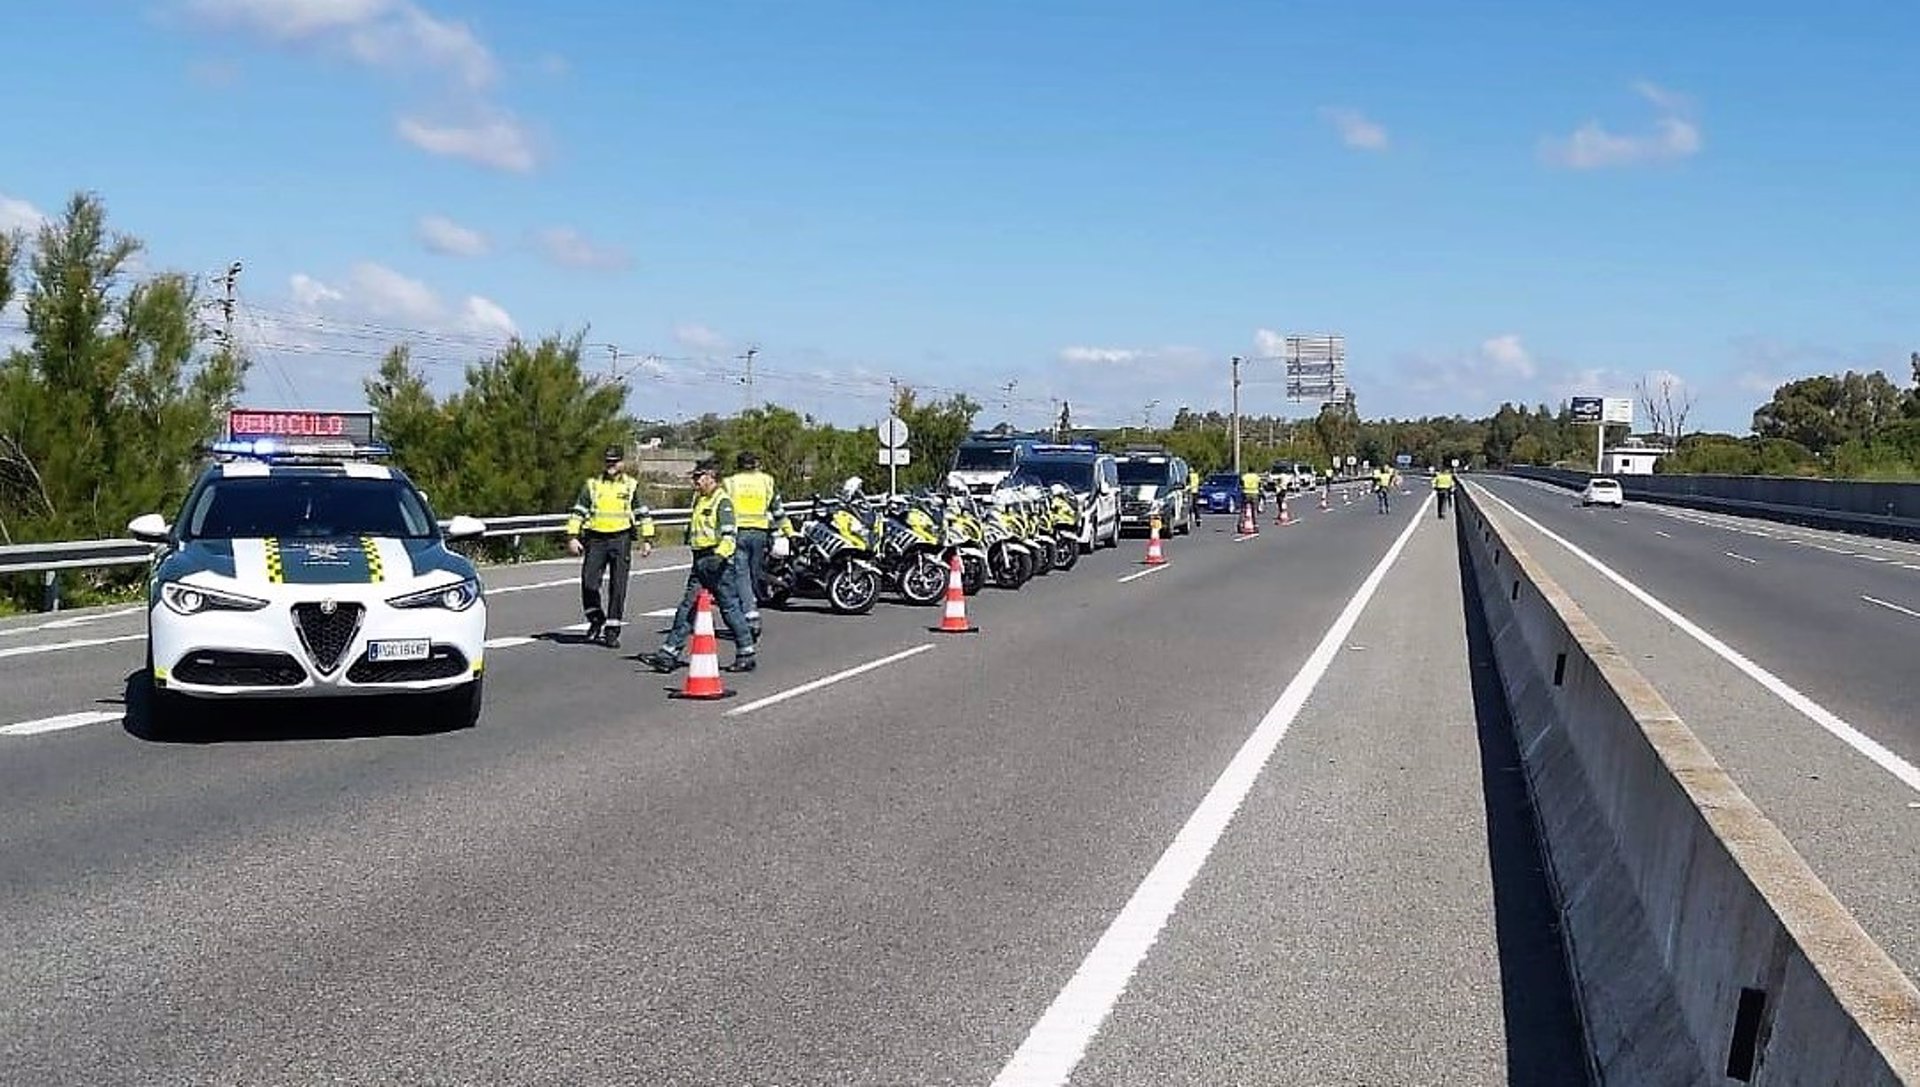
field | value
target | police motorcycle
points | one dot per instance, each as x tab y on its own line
1010	562
1067	516
911	541
965	534
1037	528
829	556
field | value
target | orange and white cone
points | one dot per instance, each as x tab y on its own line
1154	555
1286	515
1248	526
954	619
1324	504
703	665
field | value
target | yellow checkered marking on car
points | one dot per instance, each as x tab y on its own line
276	572
373	558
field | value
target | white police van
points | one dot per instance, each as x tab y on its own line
299	568
1092	475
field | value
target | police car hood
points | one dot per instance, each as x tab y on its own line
386	562
1144	491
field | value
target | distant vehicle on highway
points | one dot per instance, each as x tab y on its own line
1603	492
1154	484
1220	493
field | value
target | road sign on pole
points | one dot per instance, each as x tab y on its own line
893	449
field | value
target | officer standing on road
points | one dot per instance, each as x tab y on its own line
756	507
1250	490
711	533
1383	488
605	516
1443	488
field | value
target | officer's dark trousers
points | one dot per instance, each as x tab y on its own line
607	553
1444	497
717	576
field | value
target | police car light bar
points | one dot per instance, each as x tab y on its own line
280	448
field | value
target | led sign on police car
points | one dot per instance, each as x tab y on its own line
348	426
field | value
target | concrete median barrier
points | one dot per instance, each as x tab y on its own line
1703	948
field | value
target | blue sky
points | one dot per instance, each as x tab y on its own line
1095	201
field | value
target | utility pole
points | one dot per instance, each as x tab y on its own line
1236	415
613	361
226	307
1006	402
751	351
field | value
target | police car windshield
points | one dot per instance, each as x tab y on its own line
306	507
1077	474
983	458
1142	471
1224	479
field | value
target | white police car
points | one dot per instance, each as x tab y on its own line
299	570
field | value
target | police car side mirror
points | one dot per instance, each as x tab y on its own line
149	528
466	528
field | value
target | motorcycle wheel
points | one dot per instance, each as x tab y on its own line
1066	552
924	581
973	576
852	591
1042	557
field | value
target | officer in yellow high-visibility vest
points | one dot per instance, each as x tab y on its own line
1250	489
712	534
1443	488
601	526
756	509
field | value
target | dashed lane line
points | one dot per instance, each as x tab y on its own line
1143	573
64	721
1891	606
827	681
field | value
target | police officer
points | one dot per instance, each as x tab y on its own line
602	526
1250	490
756	508
1443	488
1383	488
711	533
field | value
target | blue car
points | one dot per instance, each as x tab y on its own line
1220	493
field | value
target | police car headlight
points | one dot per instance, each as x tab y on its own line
456	597
186	599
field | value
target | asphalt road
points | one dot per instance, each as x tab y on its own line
1834	765
889	879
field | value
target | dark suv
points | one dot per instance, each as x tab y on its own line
1154	482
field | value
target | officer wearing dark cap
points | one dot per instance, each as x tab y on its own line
601	527
713	536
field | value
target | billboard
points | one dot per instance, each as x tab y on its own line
1316	367
1617	409
1586	409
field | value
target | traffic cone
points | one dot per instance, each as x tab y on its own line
1248	527
954	620
1286	515
1324	505
1154	556
703	668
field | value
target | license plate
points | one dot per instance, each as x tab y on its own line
400	649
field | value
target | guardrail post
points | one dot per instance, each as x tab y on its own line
50	596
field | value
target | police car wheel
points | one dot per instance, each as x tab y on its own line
460	708
166	713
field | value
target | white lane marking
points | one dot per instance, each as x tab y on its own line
1668	535
1891	606
1906	772
65	720
1876	558
658	613
826	681
1244	539
1059	1040
1621	521
575	581
1742	558
1143	573
76	621
77	643
507	642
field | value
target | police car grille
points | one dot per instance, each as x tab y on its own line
327	636
445	663
232	668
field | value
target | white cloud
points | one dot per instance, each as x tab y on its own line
568	247
19	215
1097	356
698	337
374	293
1675	135
395	35
1508	355
1268	344
1356	129
498	141
1755	381
443	235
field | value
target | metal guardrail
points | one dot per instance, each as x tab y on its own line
1697	495
48	559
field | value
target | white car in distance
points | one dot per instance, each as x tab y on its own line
1603	492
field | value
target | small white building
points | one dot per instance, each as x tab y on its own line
1632	458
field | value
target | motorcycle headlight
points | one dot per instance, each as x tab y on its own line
184	599
456	597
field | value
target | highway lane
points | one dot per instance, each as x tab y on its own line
884	881
1794	610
